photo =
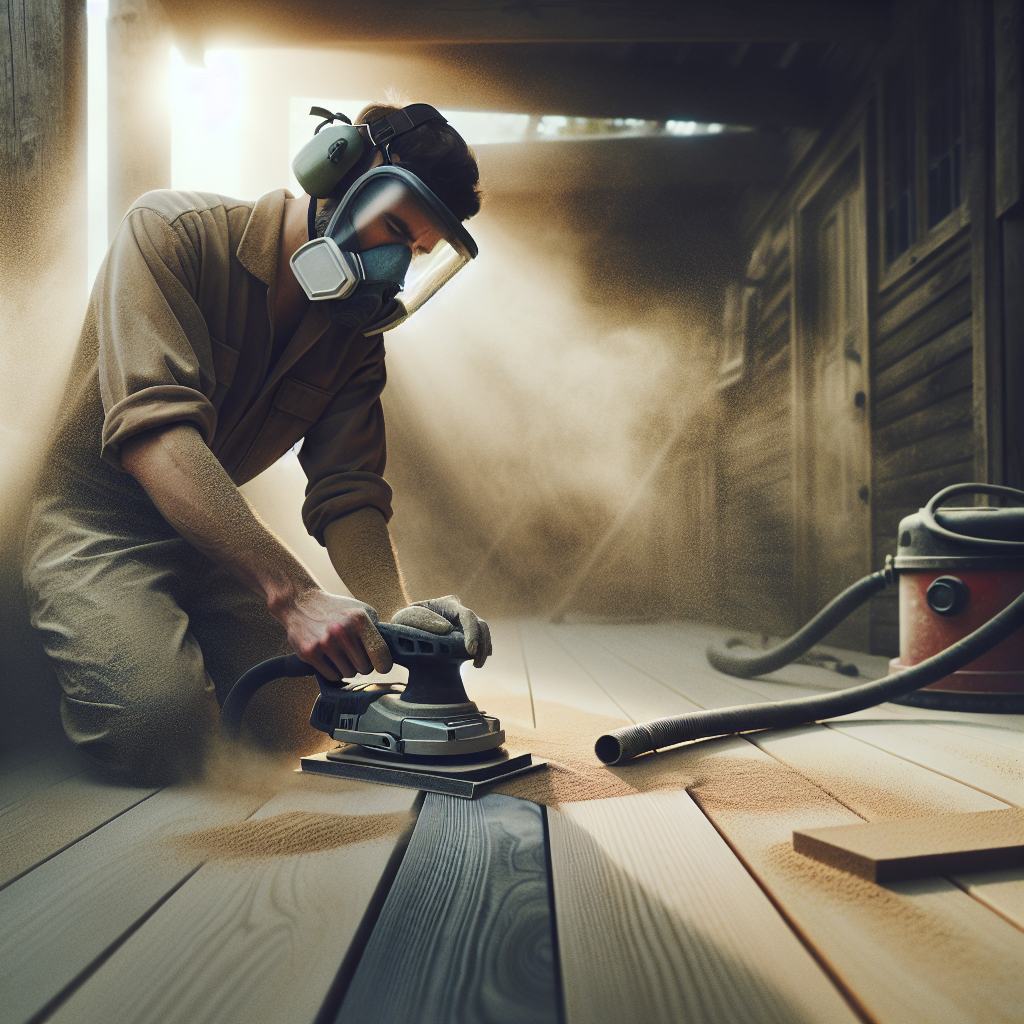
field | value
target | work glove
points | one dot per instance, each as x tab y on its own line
441	615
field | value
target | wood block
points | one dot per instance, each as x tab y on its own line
659	922
890	851
466	932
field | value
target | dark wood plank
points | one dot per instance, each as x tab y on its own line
659	922
946	414
955	376
258	933
55	817
466	932
921	486
940	350
950	309
934	286
59	918
950	448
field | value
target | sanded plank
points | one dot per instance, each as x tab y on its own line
28	772
880	786
465	934
557	677
56	920
647	698
989	767
504	670
886	851
921	951
255	940
51	818
659	922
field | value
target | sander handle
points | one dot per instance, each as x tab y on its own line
408	647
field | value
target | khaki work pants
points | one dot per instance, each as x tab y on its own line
148	636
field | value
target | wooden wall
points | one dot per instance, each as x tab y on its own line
754	458
923	400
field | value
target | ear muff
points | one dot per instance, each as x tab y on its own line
323	161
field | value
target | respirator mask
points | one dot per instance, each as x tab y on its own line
391	243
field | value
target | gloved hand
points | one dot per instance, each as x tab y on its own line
442	614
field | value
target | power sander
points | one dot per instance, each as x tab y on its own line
428	735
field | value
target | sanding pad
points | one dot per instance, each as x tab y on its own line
465	780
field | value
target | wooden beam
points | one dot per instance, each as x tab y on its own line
336	22
587	165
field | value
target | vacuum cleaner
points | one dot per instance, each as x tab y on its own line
961	602
427	736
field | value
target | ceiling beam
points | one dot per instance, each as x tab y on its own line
341	22
740	158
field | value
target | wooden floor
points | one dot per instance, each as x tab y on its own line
668	906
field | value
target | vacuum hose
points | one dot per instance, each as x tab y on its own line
746	666
288	665
623	744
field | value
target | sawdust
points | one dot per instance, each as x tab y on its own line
290	834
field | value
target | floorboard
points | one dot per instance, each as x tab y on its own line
659	922
52	818
60	918
646	697
989	767
29	772
922	952
467	925
555	677
878	786
505	670
257	939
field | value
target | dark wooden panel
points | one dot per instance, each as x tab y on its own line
932	288
955	376
922	361
922	486
955	411
908	282
951	308
467	926
946	449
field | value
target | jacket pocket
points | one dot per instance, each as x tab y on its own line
295	409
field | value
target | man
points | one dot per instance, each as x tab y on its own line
202	360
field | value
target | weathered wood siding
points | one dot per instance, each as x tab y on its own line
922	400
755	466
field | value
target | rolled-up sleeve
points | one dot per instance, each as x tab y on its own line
344	453
155	362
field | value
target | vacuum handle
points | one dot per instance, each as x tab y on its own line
928	515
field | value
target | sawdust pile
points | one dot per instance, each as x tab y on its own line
290	834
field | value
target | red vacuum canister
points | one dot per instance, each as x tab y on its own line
958	567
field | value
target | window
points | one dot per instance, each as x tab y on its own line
945	115
923	132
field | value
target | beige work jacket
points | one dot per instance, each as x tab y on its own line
179	330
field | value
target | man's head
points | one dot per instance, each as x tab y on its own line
433	151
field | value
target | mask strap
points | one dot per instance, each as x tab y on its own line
386	128
311	219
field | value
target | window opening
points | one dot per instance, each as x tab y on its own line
900	162
945	115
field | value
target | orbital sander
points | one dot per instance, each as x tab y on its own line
428	735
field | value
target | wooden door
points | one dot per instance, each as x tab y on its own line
836	469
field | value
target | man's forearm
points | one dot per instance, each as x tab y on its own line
197	497
364	557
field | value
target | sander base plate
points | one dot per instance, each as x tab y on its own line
466	779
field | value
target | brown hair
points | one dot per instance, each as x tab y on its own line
439	157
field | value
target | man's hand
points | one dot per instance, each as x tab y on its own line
336	635
440	615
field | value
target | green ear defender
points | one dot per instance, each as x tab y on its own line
332	152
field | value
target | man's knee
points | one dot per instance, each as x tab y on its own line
156	739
